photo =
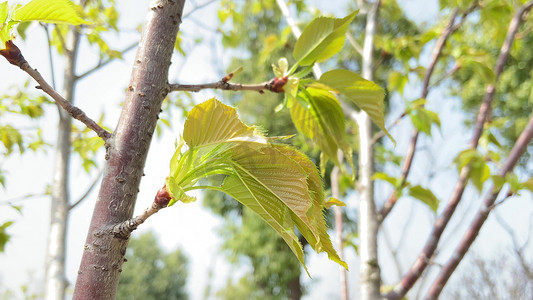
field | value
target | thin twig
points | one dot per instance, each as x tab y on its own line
74	111
102	63
273	86
88	191
14	56
124	229
431	245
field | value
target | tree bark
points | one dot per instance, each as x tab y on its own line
126	153
369	271
55	281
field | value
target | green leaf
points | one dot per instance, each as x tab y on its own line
397	81
281	201
395	182
479	174
334	201
321	39
528	184
4	10
50	11
479	170
316	191
367	95
277	182
422	119
426	196
4	236
318	115
213	122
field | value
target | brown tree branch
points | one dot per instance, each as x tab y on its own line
124	229
275	86
14	56
473	231
104	250
73	110
424	257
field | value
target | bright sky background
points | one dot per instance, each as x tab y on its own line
189	226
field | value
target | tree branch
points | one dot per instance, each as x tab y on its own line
421	263
275	86
14	56
482	215
124	229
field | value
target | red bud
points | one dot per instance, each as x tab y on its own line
162	198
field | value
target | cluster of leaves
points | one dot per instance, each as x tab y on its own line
275	181
56	11
475	54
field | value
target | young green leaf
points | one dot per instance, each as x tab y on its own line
50	11
426	196
318	115
277	182
367	95
321	39
213	122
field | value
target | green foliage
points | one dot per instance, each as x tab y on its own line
321	39
277	182
426	196
480	171
317	114
151	273
367	95
421	117
48	11
4	236
476	47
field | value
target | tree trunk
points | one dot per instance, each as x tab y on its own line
369	272
126	153
55	281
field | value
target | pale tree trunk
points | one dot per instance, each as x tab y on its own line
55	281
369	272
127	149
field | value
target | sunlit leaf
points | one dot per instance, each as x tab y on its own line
50	11
321	39
528	184
4	10
277	182
334	201
319	116
426	196
4	236
367	95
212	122
423	119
